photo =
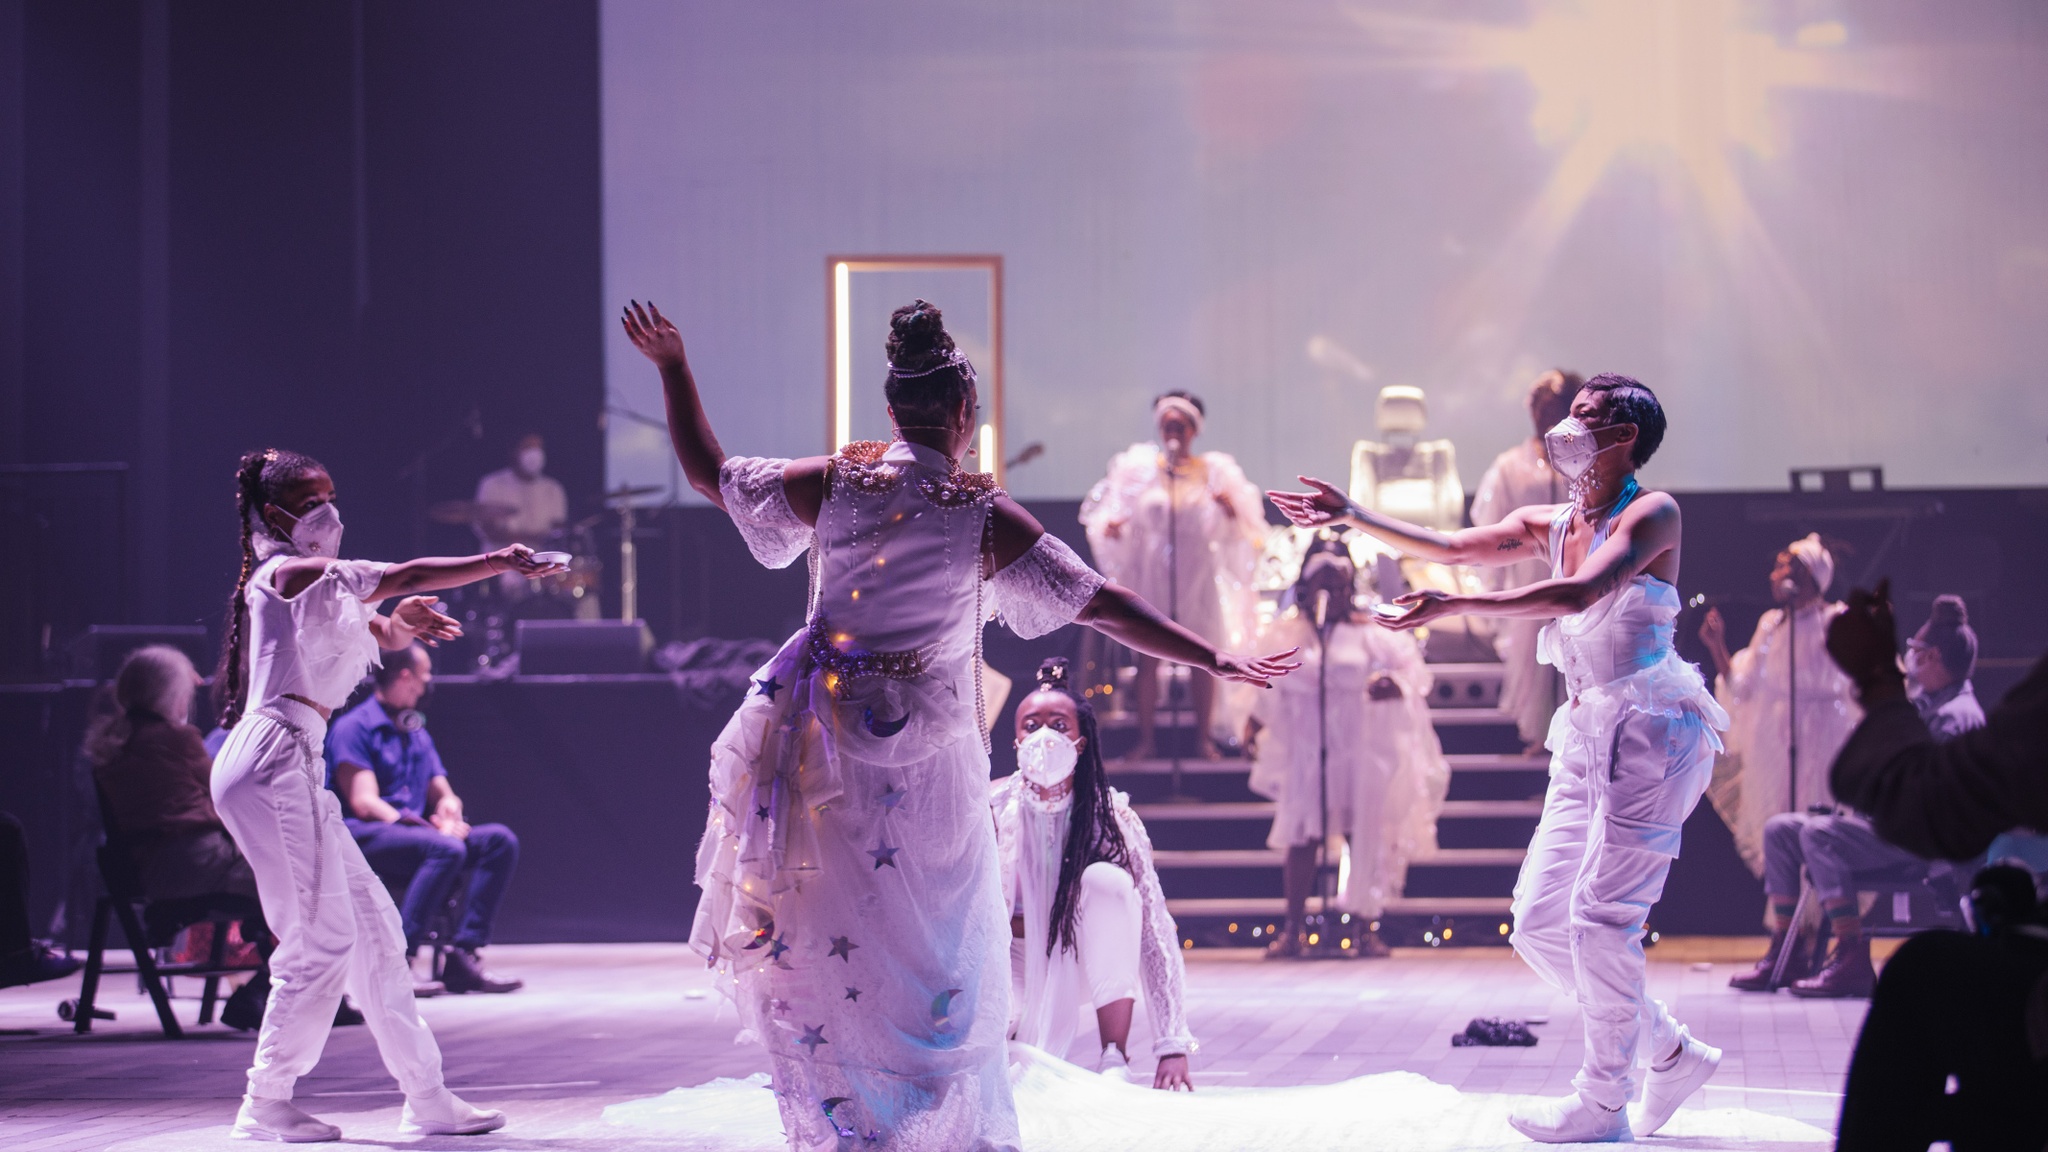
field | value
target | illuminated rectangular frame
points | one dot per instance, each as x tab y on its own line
839	272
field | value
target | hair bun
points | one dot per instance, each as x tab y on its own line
1950	612
917	336
1053	673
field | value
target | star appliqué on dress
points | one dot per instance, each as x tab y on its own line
883	855
776	948
842	948
893	797
814	1036
853	994
768	687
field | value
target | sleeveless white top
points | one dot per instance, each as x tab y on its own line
316	645
1618	654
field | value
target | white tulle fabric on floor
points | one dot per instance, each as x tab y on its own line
1062	1108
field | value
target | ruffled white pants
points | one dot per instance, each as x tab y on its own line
1610	829
337	929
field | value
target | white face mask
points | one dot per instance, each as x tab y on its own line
1047	758
531	461
1573	448
318	533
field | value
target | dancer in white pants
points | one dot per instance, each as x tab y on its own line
302	629
1631	751
1088	917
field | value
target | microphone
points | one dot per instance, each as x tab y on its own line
1175	447
1322	608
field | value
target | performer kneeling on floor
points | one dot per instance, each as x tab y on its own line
302	629
1088	918
1631	751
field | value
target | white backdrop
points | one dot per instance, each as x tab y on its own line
1818	229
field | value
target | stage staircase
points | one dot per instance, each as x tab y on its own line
1222	883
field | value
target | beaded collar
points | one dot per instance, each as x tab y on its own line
860	466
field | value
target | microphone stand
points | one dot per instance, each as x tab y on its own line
1792	684
1173	450
1326	873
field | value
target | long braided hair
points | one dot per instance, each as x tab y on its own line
1092	831
260	479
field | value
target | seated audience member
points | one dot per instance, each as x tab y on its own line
1835	846
408	821
152	766
23	960
1950	1007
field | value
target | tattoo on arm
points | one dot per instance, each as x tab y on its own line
1507	546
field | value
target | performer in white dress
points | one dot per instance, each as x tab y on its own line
1183	531
1530	691
1631	752
1753	780
302	630
852	890
1362	695
1088	918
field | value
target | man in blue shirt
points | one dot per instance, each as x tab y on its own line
408	821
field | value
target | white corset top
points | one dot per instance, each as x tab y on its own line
1627	631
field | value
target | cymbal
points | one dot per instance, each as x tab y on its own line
628	492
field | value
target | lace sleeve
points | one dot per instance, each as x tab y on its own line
1044	588
752	487
1160	968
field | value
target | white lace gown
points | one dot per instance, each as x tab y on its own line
1387	773
851	890
1029	842
1529	691
1752	778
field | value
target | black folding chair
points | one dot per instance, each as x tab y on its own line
148	925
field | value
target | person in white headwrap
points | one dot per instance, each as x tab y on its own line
1183	531
1753	780
1530	691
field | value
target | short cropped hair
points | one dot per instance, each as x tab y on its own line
1630	401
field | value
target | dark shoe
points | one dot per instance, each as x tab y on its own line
1287	944
463	971
346	1014
1846	976
244	1009
1760	978
34	964
1371	947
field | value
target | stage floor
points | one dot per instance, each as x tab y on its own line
603	1024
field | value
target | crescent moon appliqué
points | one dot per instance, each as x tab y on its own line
882	729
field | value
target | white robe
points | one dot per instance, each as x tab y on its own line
1752	778
1530	691
1207	587
1029	843
851	887
1387	773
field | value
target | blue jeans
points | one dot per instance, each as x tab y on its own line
435	863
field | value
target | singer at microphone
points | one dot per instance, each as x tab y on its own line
1182	528
1346	750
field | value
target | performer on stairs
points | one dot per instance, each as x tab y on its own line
852	891
1631	752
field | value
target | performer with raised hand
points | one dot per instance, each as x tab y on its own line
302	629
1631	751
851	884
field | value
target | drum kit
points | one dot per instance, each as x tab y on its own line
490	610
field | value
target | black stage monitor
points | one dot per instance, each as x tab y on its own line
582	647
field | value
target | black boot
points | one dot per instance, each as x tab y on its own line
1846	976
244	1009
1760	978
463	971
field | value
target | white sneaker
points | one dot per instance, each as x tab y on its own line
1571	1119
446	1114
1664	1089
1113	1064
262	1118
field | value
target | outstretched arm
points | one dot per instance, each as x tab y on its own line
1521	535
1647	529
1116	611
689	429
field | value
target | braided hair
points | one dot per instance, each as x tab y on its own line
1092	831
260	479
925	384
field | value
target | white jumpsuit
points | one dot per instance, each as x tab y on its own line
337	929
1631	753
